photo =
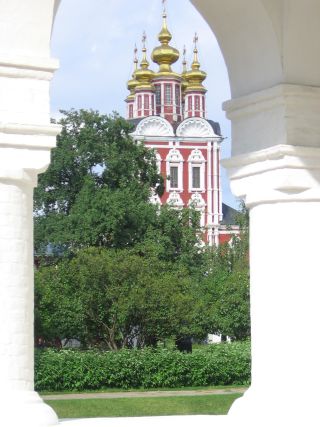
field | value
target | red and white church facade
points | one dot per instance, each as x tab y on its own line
168	110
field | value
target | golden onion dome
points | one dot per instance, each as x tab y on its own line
133	83
143	74
195	76
165	55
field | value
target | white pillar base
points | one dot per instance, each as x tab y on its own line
25	409
283	407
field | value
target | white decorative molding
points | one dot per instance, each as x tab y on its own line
196	156
26	67
174	200
282	173
174	156
27	136
153	126
197	201
195	127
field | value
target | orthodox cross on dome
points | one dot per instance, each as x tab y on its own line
195	40
184	52
144	62
184	62
135	56
144	39
164	2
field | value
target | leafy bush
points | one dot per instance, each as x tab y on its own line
218	364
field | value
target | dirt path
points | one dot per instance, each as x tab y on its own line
128	394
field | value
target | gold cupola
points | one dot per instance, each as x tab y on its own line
195	76
165	55
133	83
143	74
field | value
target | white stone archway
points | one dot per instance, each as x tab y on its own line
271	51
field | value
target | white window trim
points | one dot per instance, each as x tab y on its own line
196	159
174	158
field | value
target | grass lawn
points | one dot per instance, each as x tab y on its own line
152	406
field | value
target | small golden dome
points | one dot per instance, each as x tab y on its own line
195	76
143	74
165	55
133	83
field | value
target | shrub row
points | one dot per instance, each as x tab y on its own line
217	364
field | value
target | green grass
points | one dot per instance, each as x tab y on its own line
152	406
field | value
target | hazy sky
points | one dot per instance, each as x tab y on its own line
94	40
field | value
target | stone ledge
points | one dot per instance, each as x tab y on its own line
28	67
168	421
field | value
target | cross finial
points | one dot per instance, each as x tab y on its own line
164	2
195	40
135	52
144	38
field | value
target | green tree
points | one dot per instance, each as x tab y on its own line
113	297
97	187
223	287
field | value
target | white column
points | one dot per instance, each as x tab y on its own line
26	138
20	405
280	184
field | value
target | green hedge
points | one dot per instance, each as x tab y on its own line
217	364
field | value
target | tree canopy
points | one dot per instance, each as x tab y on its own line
96	190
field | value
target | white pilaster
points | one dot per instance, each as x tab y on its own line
216	183
280	184
209	220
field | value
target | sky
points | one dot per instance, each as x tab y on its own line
94	41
